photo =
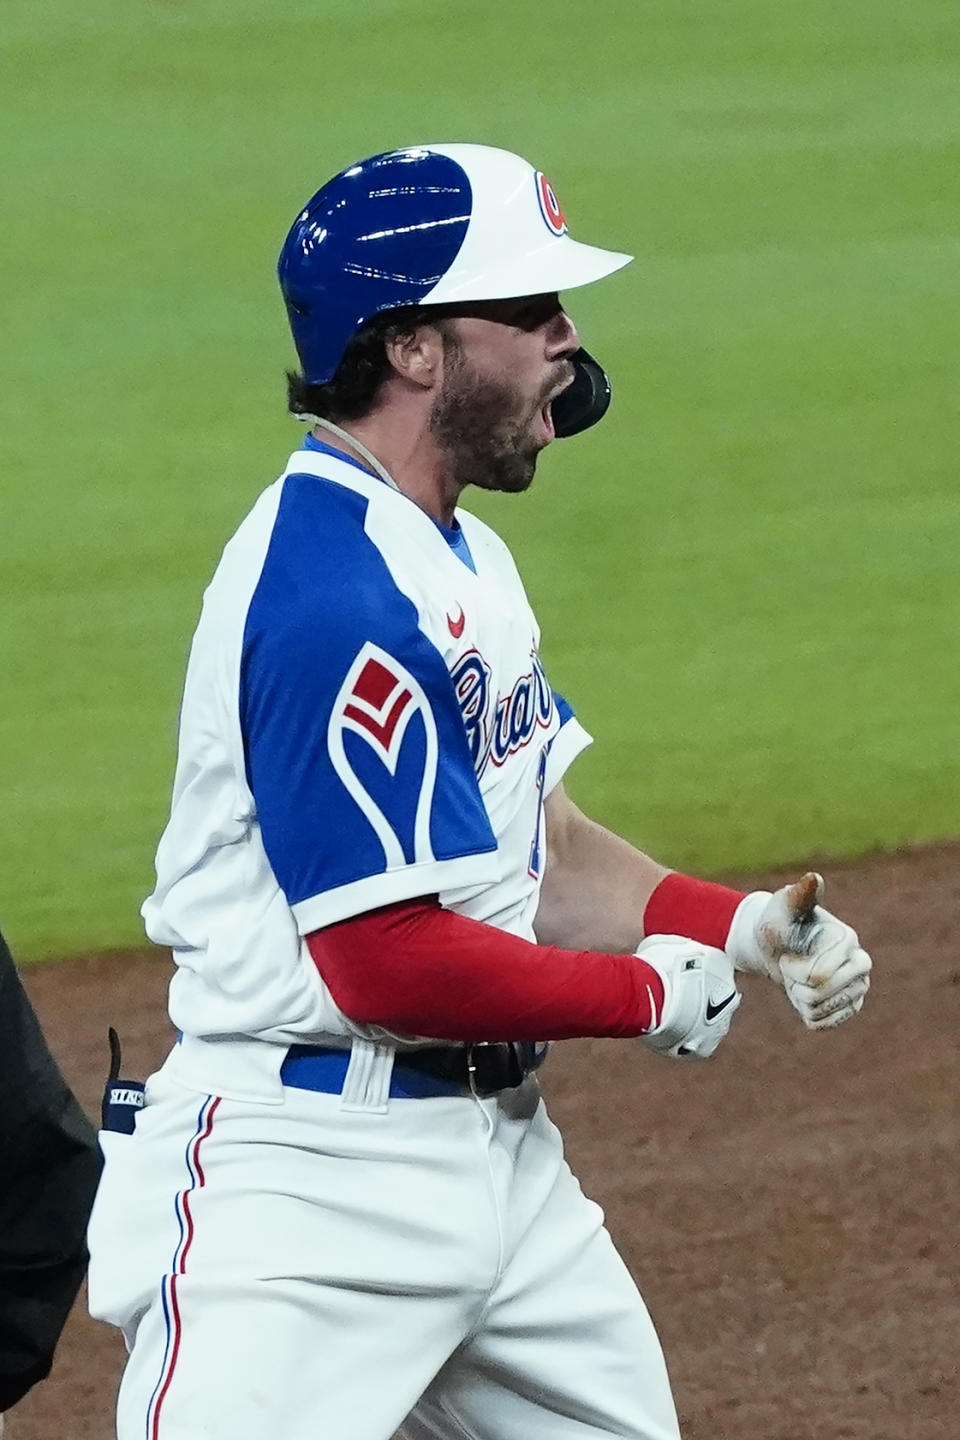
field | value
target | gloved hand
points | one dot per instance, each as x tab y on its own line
700	996
815	957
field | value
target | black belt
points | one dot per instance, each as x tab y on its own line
483	1068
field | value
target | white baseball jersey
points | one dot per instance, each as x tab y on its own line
365	720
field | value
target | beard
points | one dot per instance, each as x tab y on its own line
483	427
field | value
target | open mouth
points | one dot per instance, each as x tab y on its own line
546	413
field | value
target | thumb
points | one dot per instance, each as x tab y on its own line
802	896
785	926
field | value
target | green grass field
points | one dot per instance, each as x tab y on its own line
747	578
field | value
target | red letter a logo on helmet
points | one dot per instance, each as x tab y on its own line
550	206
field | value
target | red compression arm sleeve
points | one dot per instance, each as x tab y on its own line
699	909
418	969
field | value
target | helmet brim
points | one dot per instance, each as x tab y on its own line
560	264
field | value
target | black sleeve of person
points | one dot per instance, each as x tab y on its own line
49	1168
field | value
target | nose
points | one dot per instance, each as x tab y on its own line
562	338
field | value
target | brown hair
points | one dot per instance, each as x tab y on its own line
361	372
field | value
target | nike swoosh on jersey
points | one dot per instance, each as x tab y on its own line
456	626
655	1015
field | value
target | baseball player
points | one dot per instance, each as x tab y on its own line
343	1209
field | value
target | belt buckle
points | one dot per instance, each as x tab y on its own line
493	1066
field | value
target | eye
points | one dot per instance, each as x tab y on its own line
536	312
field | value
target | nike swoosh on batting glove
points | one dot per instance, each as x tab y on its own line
700	996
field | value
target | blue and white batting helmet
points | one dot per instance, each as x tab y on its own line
429	225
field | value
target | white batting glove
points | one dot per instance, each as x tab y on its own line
699	996
815	957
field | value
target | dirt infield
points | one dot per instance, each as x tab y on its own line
790	1210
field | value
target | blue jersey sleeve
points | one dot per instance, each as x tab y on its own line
564	708
570	740
354	743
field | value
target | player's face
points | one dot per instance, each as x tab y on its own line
505	361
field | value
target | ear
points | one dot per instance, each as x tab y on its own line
416	355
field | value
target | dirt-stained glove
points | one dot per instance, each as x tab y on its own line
815	957
700	996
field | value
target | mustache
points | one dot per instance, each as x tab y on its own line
565	378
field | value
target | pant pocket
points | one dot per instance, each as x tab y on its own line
118	1283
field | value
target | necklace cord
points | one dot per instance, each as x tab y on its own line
355	444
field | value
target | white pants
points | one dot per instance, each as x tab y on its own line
306	1271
